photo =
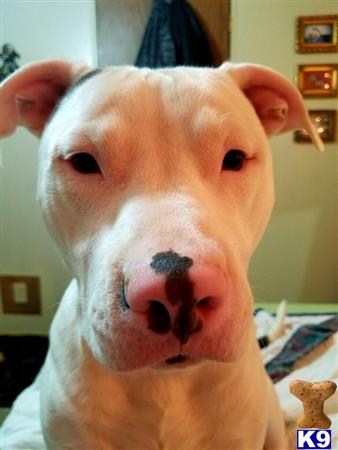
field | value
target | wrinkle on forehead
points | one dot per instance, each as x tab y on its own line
175	90
156	96
209	121
127	104
139	87
108	128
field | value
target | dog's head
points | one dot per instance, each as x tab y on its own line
157	185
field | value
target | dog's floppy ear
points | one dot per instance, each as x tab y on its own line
277	102
30	94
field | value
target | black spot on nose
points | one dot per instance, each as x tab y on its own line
179	291
169	262
186	323
179	288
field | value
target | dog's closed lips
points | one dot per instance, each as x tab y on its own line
177	359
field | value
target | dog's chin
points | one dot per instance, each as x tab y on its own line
126	354
162	359
166	362
175	362
179	361
186	360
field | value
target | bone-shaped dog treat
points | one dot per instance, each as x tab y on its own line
313	396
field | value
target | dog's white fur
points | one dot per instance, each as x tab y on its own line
160	137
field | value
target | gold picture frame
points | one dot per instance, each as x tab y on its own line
317	34
325	123
317	80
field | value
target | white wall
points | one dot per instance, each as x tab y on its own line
38	30
297	258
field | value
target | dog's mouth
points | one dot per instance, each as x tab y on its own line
177	359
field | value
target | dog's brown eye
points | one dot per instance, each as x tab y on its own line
234	160
84	163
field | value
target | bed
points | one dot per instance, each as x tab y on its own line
306	350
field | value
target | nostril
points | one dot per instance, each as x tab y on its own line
205	304
122	297
158	317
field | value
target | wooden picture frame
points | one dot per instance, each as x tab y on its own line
325	123
317	80
317	34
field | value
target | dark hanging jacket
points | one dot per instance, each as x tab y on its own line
173	37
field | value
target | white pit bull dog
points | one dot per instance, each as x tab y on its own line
157	186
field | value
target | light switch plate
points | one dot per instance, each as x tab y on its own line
20	294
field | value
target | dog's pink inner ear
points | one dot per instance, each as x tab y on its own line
29	95
278	103
271	109
35	104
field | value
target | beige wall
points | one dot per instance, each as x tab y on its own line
38	30
297	258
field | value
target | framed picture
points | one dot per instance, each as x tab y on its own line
317	34
317	80
325	122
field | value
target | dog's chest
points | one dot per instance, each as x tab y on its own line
164	414
165	425
161	425
148	413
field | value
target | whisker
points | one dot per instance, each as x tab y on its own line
53	305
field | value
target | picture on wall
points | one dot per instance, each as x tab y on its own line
325	123
317	80
317	34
